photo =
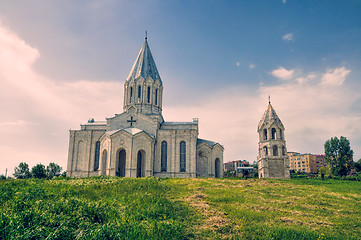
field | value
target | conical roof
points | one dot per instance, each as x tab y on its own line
144	65
269	117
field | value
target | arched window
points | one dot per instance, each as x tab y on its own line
275	150
283	151
156	97
273	133
182	156
281	134
97	153
148	94
131	95
164	156
139	92
265	149
264	134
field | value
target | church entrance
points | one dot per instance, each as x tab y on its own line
217	168
121	164
140	164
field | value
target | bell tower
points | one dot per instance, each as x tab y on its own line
272	153
143	88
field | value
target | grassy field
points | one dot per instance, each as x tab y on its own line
152	208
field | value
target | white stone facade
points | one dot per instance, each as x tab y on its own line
272	157
138	142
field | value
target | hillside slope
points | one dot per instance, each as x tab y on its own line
152	208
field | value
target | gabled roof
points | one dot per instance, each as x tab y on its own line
210	143
269	117
132	131
144	65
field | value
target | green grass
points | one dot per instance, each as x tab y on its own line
152	208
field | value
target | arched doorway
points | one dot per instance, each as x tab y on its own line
121	164
141	164
104	162
217	168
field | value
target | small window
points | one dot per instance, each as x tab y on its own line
275	150
273	133
283	151
148	94
139	92
265	149
281	134
156	97
131	95
264	134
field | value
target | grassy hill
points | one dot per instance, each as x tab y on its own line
152	208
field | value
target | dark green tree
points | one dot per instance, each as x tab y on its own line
339	155
53	170
357	165
22	171
38	171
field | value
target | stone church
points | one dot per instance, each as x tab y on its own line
138	142
272	153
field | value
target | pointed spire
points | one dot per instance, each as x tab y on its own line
144	65
269	117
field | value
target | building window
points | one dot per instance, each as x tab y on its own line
97	153
264	134
265	149
131	95
283	151
275	150
164	156
273	133
148	95
281	134
182	156
156	97
139	92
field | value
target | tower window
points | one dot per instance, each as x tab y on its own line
273	133
283	151
264	134
139	92
156	97
148	94
182	156
275	150
280	133
265	149
131	95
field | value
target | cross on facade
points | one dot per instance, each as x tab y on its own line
131	121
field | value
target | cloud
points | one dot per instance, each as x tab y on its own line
288	37
251	66
283	73
238	64
335	76
284	1
302	80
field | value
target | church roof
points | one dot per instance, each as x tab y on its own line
269	117
144	65
210	143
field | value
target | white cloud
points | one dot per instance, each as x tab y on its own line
283	73
238	64
284	1
251	66
302	80
288	37
335	76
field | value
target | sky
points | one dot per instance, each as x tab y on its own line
63	62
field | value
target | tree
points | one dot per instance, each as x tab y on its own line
53	170
338	155
22	171
357	165
38	171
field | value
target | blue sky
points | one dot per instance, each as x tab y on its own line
67	61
